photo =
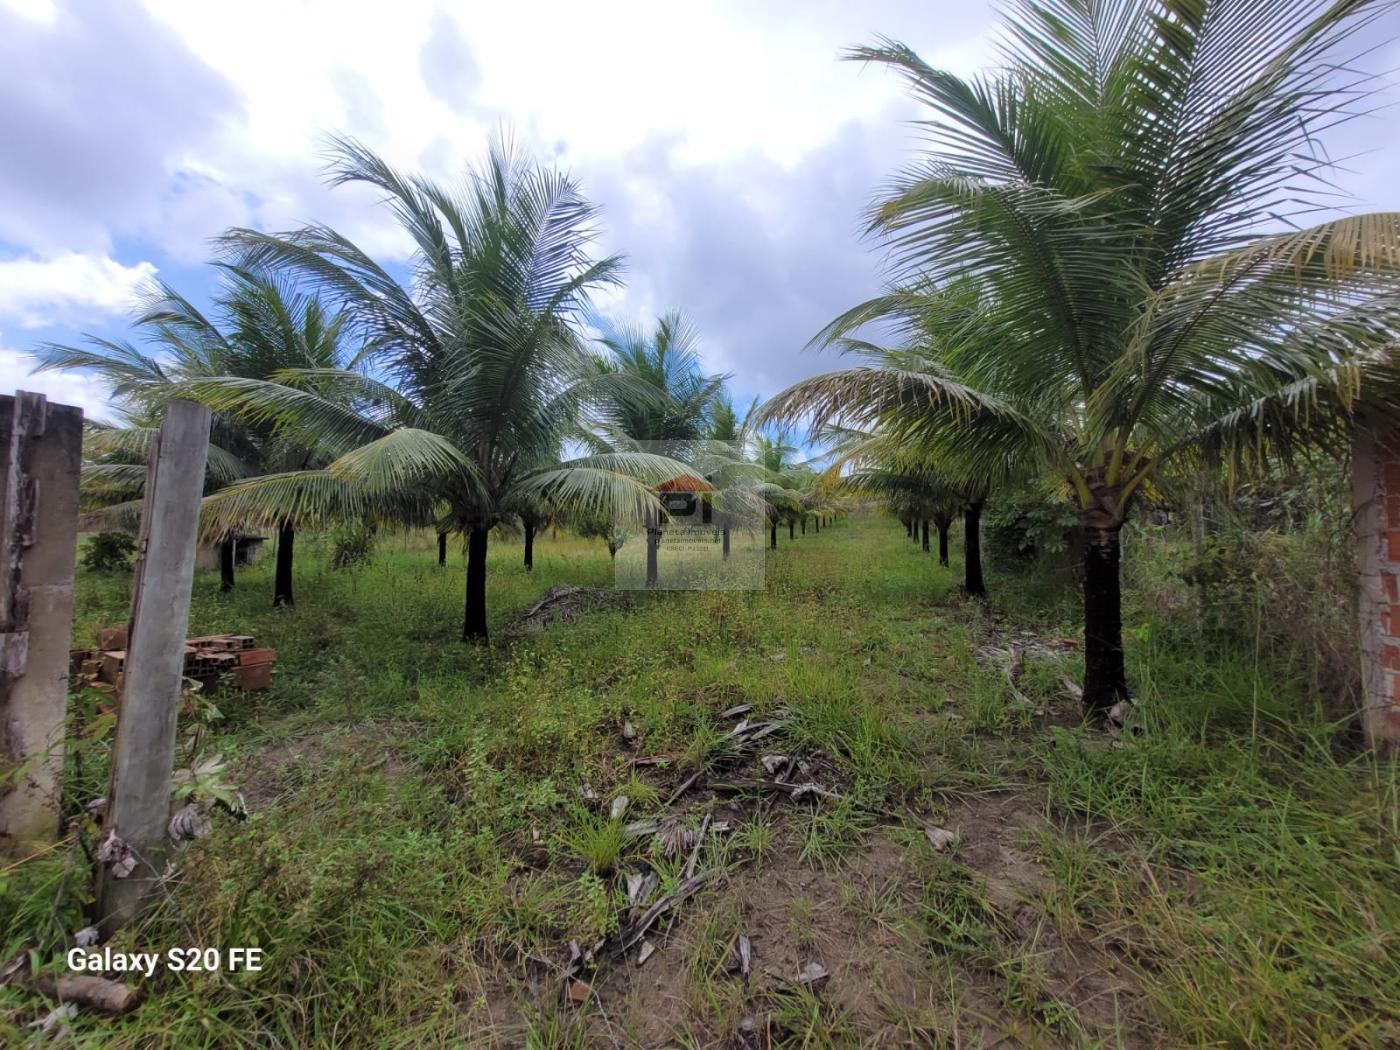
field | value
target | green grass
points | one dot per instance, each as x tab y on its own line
418	841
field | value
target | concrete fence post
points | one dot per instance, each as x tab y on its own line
135	839
40	458
1376	524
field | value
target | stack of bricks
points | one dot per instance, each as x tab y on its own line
236	655
212	660
1376	501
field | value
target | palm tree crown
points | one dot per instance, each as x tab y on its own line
670	400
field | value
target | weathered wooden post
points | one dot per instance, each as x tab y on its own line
40	457
135	840
1376	502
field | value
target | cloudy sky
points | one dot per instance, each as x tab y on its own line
731	151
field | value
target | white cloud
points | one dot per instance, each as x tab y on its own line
69	388
44	11
101	107
725	82
727	78
72	285
159	123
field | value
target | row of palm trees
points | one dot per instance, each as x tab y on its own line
1106	274
465	399
259	324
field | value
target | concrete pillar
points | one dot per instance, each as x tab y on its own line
1376	503
40	458
138	798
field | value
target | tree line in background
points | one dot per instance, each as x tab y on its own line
1107	282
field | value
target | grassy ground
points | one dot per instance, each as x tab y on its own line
418	854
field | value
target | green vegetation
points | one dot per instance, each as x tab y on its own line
885	798
1109	271
108	552
260	327
418	854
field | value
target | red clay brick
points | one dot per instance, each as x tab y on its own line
1392	544
259	676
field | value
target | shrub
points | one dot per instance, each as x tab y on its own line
1268	568
1026	524
109	552
610	532
354	545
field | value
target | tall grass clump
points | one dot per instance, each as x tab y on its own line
1252	878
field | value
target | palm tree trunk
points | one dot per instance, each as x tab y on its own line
474	619
529	545
227	548
972	550
818	523
773	535
908	528
790	527
943	524
282	579
653	543
442	549
1198	547
1105	677
804	525
726	543
925	542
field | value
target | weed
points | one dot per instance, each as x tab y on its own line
831	831
641	794
598	840
754	839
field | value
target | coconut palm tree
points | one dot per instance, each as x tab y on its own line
725	461
475	371
1131	189
800	480
725	422
115	463
259	325
668	404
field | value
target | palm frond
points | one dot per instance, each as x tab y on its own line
306	416
406	459
308	498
